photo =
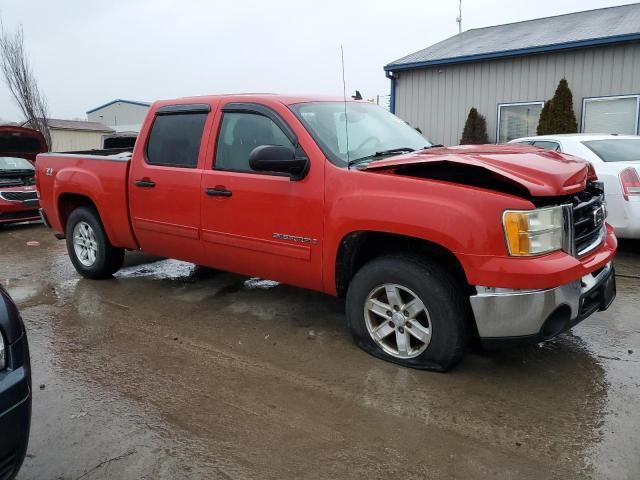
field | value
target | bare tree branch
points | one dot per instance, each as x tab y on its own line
21	81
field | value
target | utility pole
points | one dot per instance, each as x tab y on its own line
459	19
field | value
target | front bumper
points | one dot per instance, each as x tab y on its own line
15	408
18	211
503	314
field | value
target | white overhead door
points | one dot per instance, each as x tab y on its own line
610	115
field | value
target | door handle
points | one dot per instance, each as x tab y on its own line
218	192
145	183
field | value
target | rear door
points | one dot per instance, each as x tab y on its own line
257	223
164	183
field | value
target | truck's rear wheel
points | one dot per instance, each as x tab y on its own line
89	249
408	310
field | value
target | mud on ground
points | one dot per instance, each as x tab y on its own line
170	372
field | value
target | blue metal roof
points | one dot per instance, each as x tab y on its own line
603	26
131	102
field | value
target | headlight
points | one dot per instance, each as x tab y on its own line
3	354
533	232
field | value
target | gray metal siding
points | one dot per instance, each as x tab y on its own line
438	99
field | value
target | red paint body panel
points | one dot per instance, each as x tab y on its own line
236	233
543	173
100	180
546	271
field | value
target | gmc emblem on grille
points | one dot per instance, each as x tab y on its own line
598	215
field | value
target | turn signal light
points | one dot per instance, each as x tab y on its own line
630	182
533	232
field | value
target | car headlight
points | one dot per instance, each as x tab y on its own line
3	353
533	232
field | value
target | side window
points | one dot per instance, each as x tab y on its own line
547	145
239	134
175	139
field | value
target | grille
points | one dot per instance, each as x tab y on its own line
7	466
19	196
588	219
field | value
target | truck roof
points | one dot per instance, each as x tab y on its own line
253	97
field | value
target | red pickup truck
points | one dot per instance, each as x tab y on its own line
430	246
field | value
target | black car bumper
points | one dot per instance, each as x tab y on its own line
15	408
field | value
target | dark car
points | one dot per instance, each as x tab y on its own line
18	197
15	388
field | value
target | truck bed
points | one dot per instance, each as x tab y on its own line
98	178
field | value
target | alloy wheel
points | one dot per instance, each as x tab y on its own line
397	321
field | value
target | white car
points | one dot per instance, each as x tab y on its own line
616	160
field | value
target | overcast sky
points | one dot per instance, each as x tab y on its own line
86	53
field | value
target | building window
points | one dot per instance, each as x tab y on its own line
517	120
611	114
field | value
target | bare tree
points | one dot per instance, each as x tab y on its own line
21	81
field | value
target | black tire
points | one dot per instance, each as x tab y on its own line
108	259
438	290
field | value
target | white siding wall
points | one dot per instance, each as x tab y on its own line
119	113
70	140
438	99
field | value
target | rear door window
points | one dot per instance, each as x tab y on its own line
616	149
175	140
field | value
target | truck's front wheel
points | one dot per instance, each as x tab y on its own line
90	251
408	310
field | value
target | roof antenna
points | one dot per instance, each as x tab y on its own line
459	17
344	97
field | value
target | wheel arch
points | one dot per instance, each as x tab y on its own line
359	247
68	202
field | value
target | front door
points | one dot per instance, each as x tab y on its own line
164	185
258	224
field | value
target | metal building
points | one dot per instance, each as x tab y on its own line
508	71
121	115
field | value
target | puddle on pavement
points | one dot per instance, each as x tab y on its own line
188	365
159	270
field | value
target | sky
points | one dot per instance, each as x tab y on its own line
85	53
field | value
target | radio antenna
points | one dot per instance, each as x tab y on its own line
344	98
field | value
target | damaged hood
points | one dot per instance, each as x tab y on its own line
542	173
21	142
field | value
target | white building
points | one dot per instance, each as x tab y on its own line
120	115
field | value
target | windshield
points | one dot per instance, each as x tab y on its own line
13	163
368	132
616	149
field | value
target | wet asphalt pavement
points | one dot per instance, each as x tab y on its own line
170	371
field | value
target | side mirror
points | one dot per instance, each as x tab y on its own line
276	158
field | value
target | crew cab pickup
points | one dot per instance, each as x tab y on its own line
18	197
430	246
